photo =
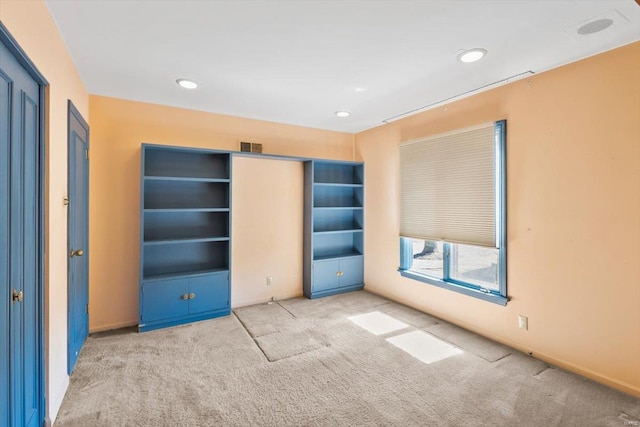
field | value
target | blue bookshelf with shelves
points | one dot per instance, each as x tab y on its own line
334	227
185	235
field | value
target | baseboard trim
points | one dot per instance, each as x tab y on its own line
618	385
602	379
54	400
263	300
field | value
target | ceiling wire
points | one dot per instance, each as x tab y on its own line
460	95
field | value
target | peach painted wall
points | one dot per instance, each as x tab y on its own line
267	224
32	26
118	127
573	183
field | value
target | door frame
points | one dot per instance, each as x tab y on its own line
73	111
12	45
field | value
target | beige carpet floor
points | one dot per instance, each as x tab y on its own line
301	362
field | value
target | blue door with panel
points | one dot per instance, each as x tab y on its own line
326	275
20	242
351	271
78	238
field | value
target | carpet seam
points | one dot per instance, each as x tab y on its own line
541	371
461	347
500	358
285	309
255	341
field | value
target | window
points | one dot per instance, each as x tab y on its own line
453	211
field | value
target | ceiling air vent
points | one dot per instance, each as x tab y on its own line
250	147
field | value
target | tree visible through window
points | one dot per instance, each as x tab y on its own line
464	207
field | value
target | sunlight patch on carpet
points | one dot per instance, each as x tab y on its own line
470	342
378	323
424	347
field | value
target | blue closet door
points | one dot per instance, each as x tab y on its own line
78	235
5	115
20	390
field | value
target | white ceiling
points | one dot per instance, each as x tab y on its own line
298	62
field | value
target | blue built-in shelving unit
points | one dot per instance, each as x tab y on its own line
334	226
185	235
185	232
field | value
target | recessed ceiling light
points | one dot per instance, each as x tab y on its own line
187	84
359	89
595	26
343	113
472	55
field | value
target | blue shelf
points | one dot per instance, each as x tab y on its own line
337	256
337	220
338	207
186	240
354	230
162	161
189	179
186	194
338	196
172	225
184	275
332	184
187	210
332	173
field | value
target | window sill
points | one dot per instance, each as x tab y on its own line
496	299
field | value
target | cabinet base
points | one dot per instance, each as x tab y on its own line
313	295
144	327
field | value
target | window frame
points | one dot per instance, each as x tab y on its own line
498	297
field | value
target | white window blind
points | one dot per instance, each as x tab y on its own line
448	187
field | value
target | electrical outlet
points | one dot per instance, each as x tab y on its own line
269	280
523	322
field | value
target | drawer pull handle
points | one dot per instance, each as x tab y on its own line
185	296
339	273
192	296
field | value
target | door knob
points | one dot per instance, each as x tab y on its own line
77	252
17	296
